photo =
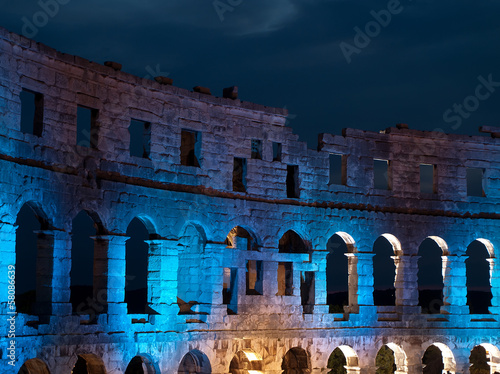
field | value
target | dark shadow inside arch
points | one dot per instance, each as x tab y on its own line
140	365
433	361
385	361
241	238
34	366
384	273
479	361
136	269
337	275
82	261
295	362
195	362
291	242
88	364
337	362
478	278
430	278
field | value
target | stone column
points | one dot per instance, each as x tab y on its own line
109	275
7	257
213	279
163	265
455	288
319	257
353	281
61	261
495	285
365	286
406	283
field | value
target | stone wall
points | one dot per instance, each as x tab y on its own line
191	211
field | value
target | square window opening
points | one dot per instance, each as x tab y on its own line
338	169
140	138
382	174
285	279
475	178
190	148
230	290
86	127
428	178
256	149
276	151
254	277
239	174
292	181
31	112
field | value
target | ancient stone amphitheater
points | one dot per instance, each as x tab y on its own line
244	226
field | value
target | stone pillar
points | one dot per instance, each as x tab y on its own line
163	265
406	282
61	242
7	258
320	287
213	278
352	263
455	288
495	285
109	275
367	311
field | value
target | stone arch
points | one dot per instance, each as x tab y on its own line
191	288
242	237
86	229
34	366
478	269
88	363
391	358
296	361
386	249
441	244
343	359
484	359
449	363
142	364
34	255
195	362
246	361
292	242
140	231
430	276
341	273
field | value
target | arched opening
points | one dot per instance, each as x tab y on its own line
141	365
84	228
195	362
433	360
337	274
33	254
430	277
295	361
291	242
88	364
34	366
240	238
385	361
246	362
384	273
479	361
136	269
342	359
191	289
478	278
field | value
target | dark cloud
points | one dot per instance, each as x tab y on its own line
287	53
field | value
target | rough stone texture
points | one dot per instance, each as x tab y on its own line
189	211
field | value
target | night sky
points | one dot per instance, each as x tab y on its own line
412	68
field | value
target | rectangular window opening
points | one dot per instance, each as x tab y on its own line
382	174
239	174
254	277
140	138
285	279
292	181
31	112
307	291
86	127
427	178
475	178
276	151
256	149
338	169
230	290
190	148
